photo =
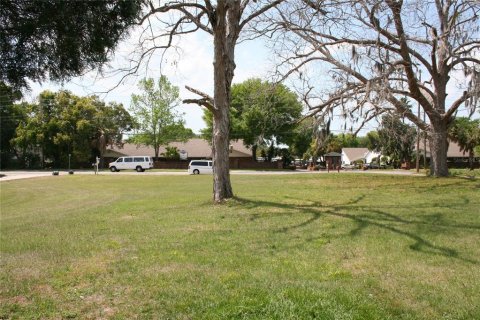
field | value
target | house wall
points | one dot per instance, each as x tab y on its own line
370	155
345	159
235	163
248	163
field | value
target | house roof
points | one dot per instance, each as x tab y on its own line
355	153
195	148
452	152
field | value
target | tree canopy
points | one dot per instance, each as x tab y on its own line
396	139
466	132
62	123
378	52
11	115
261	113
50	39
157	121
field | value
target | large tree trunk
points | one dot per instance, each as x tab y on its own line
438	149
222	188
223	67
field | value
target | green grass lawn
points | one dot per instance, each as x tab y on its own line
326	246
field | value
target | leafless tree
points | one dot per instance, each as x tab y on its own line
224	20
378	51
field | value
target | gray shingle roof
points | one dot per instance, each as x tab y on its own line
452	152
196	148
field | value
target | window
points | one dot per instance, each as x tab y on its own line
200	163
138	159
128	159
120	160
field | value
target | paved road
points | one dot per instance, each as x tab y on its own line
15	175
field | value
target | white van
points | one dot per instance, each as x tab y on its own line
139	163
200	167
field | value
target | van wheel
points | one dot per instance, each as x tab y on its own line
196	171
113	169
139	169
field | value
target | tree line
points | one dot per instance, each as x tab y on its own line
61	129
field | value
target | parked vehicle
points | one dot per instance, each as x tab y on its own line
139	163
375	166
200	167
348	166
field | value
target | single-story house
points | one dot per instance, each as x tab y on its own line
193	149
455	157
350	155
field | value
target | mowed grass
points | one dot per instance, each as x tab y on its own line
313	246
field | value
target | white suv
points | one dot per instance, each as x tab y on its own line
200	167
139	163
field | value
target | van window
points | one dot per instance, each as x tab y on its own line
209	163
128	159
138	159
119	160
199	163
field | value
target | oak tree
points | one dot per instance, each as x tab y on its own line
378	52
225	21
51	39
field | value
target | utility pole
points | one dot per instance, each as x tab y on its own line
417	164
424	146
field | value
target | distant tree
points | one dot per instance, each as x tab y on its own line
372	141
171	153
396	139
348	140
302	138
54	39
466	133
262	114
11	114
111	121
158	123
334	144
62	123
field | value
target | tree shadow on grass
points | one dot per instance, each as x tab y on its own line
368	216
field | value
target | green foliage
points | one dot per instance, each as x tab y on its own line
466	133
60	39
261	114
302	138
157	121
348	140
11	115
372	141
62	123
171	153
396	139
